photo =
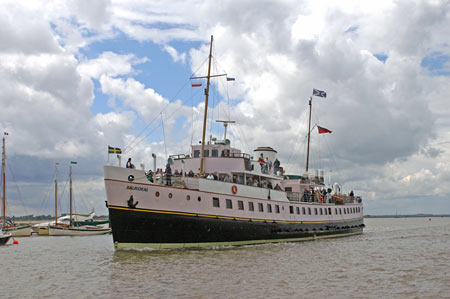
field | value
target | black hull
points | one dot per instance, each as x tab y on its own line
163	229
4	239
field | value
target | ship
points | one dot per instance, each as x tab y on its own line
224	197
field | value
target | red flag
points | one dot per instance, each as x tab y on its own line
196	84
323	130
57	163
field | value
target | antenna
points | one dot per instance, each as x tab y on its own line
225	125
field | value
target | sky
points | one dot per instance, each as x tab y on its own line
79	76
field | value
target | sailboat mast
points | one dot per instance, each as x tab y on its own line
309	134
56	194
4	183
206	108
70	175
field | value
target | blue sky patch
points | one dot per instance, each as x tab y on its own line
381	57
438	64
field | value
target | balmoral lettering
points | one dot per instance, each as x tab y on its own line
137	188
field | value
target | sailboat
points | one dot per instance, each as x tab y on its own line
71	229
9	227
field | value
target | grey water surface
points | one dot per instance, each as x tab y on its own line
394	258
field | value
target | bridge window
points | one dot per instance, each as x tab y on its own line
216	202
229	203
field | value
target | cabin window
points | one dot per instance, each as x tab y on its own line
260	207
250	206
196	154
309	211
321	211
214	153
277	209
288	189
157	194
303	211
336	211
297	209
340	211
315	211
269	208
240	205
326	211
291	209
329	211
206	153
199	198
229	203
216	202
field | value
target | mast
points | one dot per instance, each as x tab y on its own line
206	108
309	133
4	183
56	194
70	175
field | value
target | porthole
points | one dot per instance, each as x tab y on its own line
157	194
188	197
199	198
170	195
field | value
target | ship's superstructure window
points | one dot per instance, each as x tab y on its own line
206	153
277	209
321	211
336	211
297	210
303	211
269	208
214	153
250	206
216	202
315	211
329	211
326	211
229	203
340	211
309	211
240	205
260	207
197	154
291	209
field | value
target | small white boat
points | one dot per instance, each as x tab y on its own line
78	231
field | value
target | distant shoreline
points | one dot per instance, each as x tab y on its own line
406	216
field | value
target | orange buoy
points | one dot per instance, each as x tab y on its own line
15	242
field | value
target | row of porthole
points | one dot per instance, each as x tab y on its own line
188	197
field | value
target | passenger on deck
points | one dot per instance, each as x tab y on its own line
305	195
149	175
249	181
168	173
235	179
190	174
269	185
176	173
210	177
215	176
261	162
351	193
277	187
227	179
276	166
129	164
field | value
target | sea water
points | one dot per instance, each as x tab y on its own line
394	258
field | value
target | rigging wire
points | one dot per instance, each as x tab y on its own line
17	186
164	134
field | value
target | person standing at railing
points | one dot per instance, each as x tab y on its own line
168	174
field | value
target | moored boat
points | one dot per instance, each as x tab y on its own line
8	227
225	197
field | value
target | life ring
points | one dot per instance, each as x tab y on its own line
234	189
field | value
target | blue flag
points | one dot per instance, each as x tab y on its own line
230	79
319	93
